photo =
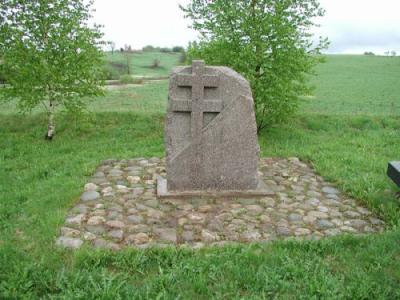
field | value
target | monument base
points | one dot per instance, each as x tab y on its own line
261	191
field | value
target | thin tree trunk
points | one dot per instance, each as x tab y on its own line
51	127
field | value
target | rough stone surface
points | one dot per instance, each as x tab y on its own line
90	196
70	243
134	217
211	134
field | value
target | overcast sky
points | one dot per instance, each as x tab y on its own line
353	26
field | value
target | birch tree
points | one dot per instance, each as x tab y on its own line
270	42
51	55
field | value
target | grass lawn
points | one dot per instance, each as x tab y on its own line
348	136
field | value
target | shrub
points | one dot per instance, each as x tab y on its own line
155	64
178	49
127	79
369	53
183	57
2	77
166	50
149	48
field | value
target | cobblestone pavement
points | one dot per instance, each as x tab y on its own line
119	208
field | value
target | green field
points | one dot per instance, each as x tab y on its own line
348	130
141	63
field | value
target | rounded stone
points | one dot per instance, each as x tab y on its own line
352	214
88	236
267	202
332	232
357	223
323	209
295	217
251	236
283	231
330	190
96	220
188	236
91	187
138	239
318	214
69	232
70	243
90	196
348	229
96	229
135	219
324	224
196	218
209	236
115	173
166	234
133	179
138	228
115	224
302	231
76	220
117	235
155	214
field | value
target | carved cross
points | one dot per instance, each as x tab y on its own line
197	106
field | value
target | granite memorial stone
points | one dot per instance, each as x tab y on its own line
394	172
211	134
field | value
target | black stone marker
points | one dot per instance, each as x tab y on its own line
394	172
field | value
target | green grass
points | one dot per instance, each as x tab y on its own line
40	181
356	85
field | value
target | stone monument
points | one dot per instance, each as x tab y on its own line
210	135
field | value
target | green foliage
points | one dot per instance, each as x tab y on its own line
128	79
267	41
149	48
178	49
165	50
155	64
50	55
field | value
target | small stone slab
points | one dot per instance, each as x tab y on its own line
261	191
90	196
394	172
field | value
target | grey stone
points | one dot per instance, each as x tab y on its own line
138	239
209	236
166	234
324	224
76	220
251	236
117	235
91	187
96	229
90	196
295	217
357	223
188	236
96	220
211	133
70	243
330	190
135	219
115	173
69	232
283	231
